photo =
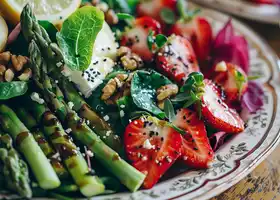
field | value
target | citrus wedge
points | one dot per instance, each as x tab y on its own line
3	34
54	11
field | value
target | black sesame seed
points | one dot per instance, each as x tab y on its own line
161	138
195	148
105	60
184	117
188	121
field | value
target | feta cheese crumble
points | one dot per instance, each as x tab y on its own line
35	97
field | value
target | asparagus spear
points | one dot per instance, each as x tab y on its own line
98	124
15	171
127	174
48	150
26	143
33	31
75	163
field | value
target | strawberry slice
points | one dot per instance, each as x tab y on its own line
199	32
196	150
136	37
176	59
217	113
233	80
153	8
152	148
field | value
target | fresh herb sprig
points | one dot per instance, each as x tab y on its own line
192	91
185	14
156	42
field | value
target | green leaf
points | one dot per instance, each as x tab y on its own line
151	40
168	16
78	34
50	28
125	16
240	80
169	110
161	40
143	90
181	97
9	90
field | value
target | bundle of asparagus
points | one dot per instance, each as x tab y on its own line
27	145
51	52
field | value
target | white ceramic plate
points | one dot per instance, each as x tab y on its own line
238	157
264	13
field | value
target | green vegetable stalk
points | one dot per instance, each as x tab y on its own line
33	31
127	174
15	171
75	163
27	145
48	150
97	123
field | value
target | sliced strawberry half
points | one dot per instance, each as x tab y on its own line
152	148
177	59
199	32
196	150
136	37
217	113
153	8
228	76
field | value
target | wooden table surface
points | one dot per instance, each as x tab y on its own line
264	182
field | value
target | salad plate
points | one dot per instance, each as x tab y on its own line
233	160
258	12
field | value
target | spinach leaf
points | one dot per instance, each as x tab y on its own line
9	90
143	90
50	28
78	34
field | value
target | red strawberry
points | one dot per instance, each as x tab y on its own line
196	150
152	148
217	113
177	59
227	75
136	37
199	32
153	8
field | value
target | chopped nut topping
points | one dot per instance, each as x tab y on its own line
116	88
13	67
166	92
129	60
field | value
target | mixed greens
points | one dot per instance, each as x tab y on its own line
93	117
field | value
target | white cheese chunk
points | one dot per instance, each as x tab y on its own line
105	44
88	80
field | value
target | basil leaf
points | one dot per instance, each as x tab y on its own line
161	40
138	114
169	110
9	90
125	16
50	28
143	90
78	34
167	16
